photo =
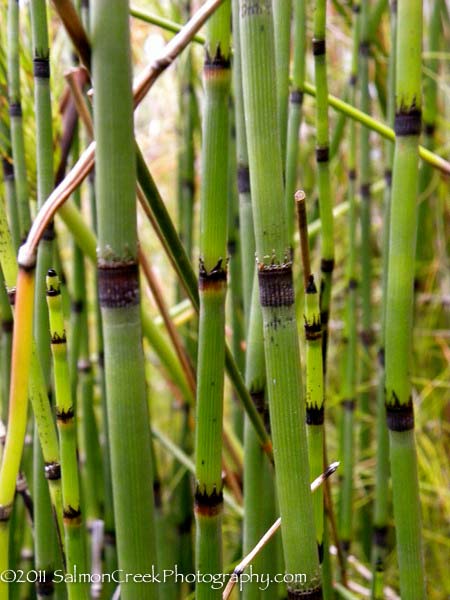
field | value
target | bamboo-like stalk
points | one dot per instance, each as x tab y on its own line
399	317
323	169
235	297
247	245
282	10
295	110
212	291
425	234
45	551
118	284
381	511
315	394
348	388
366	333
37	393
15	112
65	418
287	410
9	179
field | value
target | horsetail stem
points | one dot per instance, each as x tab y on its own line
381	510
287	414
295	110
118	286
315	405
323	168
399	317
212	290
65	419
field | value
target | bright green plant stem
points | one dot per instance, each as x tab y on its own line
399	308
323	169
348	389
186	154
282	10
365	285
41	408
430	157
118	284
247	245
9	179
65	418
315	393
212	290
295	111
15	112
315	408
287	410
45	551
381	511
425	233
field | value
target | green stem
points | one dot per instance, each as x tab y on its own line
212	291
400	293
323	170
287	410
128	419
65	418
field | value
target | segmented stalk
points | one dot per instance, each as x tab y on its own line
45	552
118	285
65	419
323	169
287	410
212	290
381	511
367	336
15	113
315	394
282	10
295	111
400	293
425	234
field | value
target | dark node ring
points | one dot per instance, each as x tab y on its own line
41	68
408	123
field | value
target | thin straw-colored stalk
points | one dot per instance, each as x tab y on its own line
315	405
323	169
243	564
65	418
282	10
399	308
381	511
212	291
295	110
287	410
15	112
118	284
